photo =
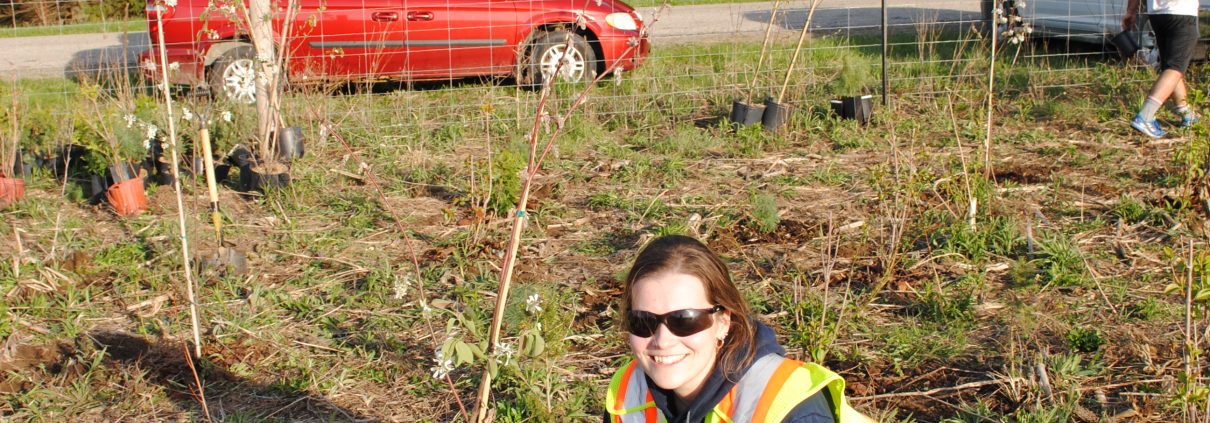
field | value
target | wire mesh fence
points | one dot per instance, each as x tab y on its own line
344	40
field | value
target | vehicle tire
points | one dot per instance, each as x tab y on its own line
548	49
233	76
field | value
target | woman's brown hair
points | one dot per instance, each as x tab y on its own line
686	255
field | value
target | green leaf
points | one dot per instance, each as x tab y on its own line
539	346
1202	295
526	344
1172	288
477	349
441	304
492	368
464	353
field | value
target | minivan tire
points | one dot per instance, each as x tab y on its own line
233	76
580	62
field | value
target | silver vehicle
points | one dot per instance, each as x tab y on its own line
1091	21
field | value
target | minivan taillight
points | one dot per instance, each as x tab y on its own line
159	10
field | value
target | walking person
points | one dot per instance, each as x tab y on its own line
1175	25
699	356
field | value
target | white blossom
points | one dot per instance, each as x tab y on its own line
443	366
506	351
150	66
533	304
129	120
170	3
174	66
152	130
186	114
400	288
227	116
229	9
425	309
147	144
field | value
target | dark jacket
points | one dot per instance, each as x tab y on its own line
816	409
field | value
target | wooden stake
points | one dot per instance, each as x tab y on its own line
806	26
991	80
176	187
763	48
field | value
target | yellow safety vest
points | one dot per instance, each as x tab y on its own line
769	391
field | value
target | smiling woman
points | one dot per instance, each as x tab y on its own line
699	356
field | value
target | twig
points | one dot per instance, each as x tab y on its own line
200	395
176	187
531	172
935	391
20	252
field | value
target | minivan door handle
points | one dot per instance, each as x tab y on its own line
385	16
420	16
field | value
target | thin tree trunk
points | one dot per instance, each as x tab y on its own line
260	21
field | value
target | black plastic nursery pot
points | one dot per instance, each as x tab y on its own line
859	108
197	167
1127	43
776	114
97	185
289	144
259	177
20	168
122	172
744	114
239	156
70	158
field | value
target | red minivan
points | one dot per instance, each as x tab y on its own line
409	40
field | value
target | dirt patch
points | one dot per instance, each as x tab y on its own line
1022	173
34	362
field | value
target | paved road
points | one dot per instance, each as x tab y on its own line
76	55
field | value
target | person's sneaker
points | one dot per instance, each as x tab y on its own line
1188	120
1148	128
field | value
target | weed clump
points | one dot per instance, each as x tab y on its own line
1085	339
764	213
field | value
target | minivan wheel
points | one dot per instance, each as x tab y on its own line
233	76
578	62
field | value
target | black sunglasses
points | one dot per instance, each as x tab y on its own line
685	322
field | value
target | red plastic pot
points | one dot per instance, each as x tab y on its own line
11	190
127	197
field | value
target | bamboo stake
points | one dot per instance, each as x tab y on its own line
176	187
802	36
991	83
763	48
1191	380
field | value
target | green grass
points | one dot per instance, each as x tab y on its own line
137	25
338	313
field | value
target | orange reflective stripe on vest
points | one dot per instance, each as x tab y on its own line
774	388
